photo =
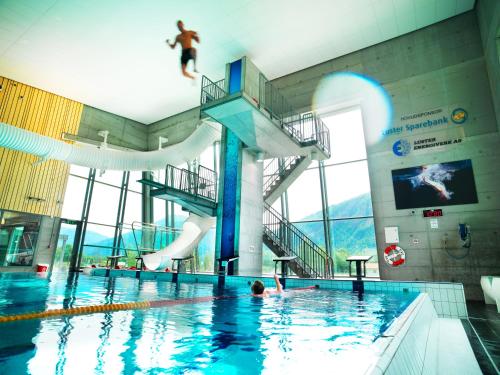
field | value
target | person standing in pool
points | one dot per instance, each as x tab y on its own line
185	39
259	290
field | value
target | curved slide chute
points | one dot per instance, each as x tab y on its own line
109	159
193	230
195	227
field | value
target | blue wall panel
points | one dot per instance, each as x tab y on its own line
231	150
235	77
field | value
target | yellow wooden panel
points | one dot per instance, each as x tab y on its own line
3	84
44	113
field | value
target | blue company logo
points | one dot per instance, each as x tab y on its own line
459	115
401	147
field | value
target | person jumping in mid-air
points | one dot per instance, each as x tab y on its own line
185	39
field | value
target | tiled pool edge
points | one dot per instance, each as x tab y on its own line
402	348
448	299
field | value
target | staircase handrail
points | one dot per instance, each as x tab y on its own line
273	170
312	258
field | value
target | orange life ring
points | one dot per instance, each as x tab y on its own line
394	255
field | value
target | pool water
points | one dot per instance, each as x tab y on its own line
300	331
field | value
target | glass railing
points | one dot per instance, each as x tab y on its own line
134	240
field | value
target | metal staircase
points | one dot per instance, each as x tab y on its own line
285	239
281	236
280	173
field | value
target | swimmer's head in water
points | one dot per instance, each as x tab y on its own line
180	25
258	287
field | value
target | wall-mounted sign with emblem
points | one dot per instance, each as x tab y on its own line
425	121
434	141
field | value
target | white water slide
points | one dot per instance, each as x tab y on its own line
193	230
105	158
195	227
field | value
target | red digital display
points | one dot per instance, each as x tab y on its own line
433	213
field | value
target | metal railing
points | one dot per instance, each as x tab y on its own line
211	91
313	260
307	129
275	103
276	168
310	130
202	184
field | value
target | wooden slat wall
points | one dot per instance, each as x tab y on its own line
45	113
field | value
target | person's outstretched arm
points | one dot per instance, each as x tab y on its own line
196	37
279	288
172	45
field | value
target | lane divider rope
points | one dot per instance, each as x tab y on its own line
143	305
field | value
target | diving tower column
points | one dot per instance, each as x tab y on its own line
240	208
257	120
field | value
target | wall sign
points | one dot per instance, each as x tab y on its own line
433	213
434	223
435	142
428	120
391	234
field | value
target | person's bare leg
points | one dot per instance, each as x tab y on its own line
184	73
193	54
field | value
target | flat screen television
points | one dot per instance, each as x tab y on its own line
431	185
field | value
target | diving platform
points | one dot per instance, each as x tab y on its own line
195	192
262	119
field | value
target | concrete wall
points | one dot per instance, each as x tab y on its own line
252	80
251	208
442	65
122	131
488	13
175	128
47	240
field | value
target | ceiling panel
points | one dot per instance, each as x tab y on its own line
112	54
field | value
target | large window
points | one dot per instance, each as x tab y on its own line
305	207
103	213
345	202
104	204
347	140
347	182
74	196
102	220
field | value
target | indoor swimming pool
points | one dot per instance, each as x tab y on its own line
291	333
